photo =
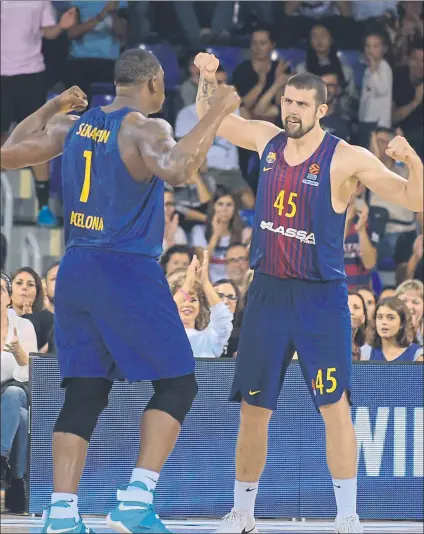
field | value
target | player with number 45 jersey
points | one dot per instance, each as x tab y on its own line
298	297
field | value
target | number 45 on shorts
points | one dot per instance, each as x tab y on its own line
330	384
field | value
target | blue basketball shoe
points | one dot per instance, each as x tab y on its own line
66	525
132	516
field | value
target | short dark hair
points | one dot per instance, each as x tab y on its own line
176	249
263	27
135	66
236	244
46	272
384	129
310	81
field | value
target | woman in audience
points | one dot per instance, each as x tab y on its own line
28	302
229	293
370	301
322	57
411	292
359	321
17	341
223	227
207	320
391	339
176	257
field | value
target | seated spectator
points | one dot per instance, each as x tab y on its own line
376	94
301	16
222	163
174	234
18	340
28	302
95	42
360	243
400	220
229	294
188	89
370	301
388	292
408	254
207	320
409	29
210	24
322	57
411	293
359	321
224	227
408	97
334	122
176	257
49	291
391	338
237	265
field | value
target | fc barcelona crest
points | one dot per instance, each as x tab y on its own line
272	156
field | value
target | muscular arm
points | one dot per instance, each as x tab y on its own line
38	147
378	178
176	162
252	135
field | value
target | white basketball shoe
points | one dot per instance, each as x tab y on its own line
348	524
237	523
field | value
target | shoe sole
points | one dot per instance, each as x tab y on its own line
117	526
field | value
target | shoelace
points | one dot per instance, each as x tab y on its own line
46	510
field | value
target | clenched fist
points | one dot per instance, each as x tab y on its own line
400	150
73	99
226	99
207	64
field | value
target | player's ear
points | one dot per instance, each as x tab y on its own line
322	110
152	85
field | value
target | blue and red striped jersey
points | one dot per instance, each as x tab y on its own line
296	232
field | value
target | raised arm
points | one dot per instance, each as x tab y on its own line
378	178
40	136
176	162
252	135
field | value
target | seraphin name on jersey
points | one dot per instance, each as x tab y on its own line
303	236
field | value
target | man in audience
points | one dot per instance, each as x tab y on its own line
23	82
222	162
176	257
408	97
334	122
400	220
237	264
50	279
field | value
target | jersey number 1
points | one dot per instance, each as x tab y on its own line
87	176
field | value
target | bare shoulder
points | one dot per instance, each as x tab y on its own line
139	126
354	158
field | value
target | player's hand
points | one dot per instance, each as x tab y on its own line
68	19
226	99
418	247
27	307
73	99
361	225
400	150
207	64
13	346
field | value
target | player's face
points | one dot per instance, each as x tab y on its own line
237	264
357	312
5	299
414	303
178	260
299	111
51	283
387	322
189	310
228	295
224	208
369	302
23	288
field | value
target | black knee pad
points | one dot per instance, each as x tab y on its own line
85	399
174	396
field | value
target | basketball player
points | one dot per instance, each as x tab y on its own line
298	298
115	317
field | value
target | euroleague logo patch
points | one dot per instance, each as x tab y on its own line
312	176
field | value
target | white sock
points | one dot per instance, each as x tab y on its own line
245	497
148	478
59	512
345	493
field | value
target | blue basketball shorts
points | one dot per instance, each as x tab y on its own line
284	316
115	318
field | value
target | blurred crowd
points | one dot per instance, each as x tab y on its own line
46	46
